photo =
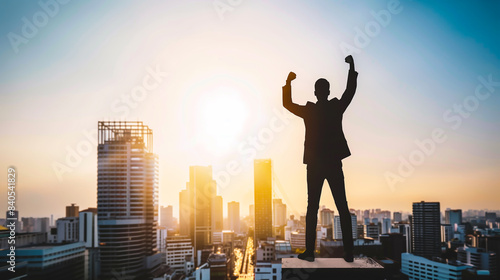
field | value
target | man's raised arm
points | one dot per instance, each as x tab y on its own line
287	97
352	83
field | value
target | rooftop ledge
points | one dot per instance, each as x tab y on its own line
331	268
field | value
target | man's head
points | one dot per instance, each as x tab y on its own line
322	89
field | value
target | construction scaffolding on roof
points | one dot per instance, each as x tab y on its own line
125	131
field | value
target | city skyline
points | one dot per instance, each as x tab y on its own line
220	104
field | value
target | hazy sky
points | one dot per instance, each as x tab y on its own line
206	76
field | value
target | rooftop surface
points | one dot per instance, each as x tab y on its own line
326	268
330	263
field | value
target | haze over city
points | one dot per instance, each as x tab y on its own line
208	83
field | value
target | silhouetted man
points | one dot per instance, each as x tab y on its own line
324	149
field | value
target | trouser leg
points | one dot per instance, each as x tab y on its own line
335	179
315	181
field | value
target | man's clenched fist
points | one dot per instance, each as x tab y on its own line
291	77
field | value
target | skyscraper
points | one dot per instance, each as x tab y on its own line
386	225
397	217
127	198
233	216
263	195
279	213
217	214
72	210
337	231
166	216
326	217
196	207
426	226
452	217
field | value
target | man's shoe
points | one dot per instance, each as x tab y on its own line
348	257
307	256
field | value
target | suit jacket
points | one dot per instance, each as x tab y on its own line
325	141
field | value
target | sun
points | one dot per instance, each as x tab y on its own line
222	118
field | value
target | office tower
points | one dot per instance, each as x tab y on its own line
337	231
279	213
397	217
386	225
67	229
72	210
446	233
372	231
405	229
127	198
251	214
88	235
185	213
196	207
263	195
233	215
480	259
393	245
167	216
452	217
426	228
88	227
326	217
179	251
217	214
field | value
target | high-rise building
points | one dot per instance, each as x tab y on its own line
196	205
372	231
480	259
337	229
68	229
217	214
72	210
386	225
167	216
393	245
179	251
405	229
88	227
397	217
453	216
426	228
88	235
185	213
233	216
127	199
279	213
263	195
326	217
251	213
